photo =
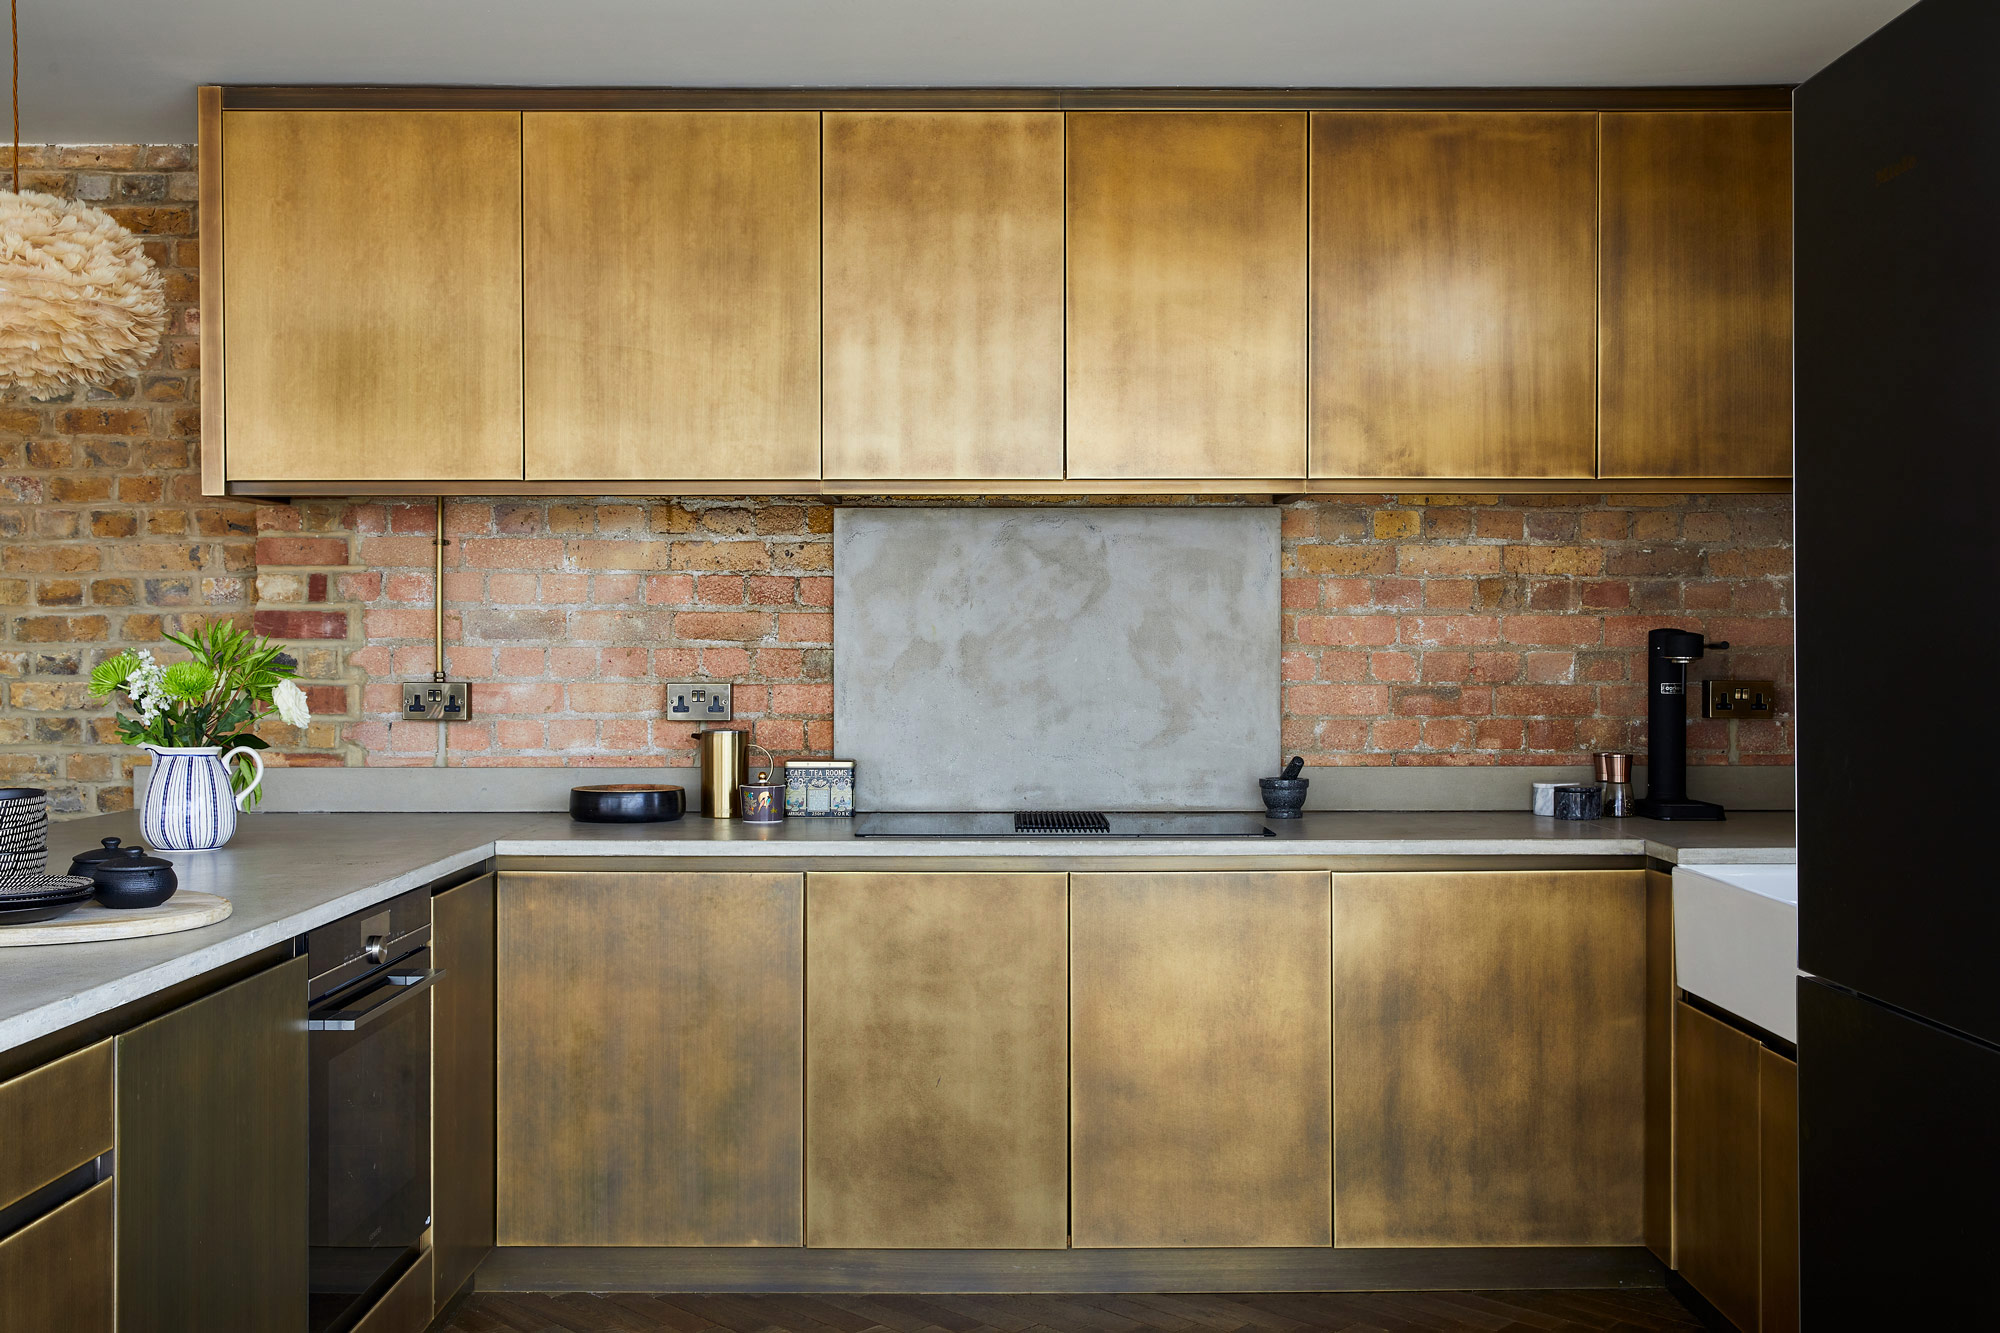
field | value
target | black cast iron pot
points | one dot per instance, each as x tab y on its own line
125	876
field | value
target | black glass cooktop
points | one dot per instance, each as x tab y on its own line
1057	824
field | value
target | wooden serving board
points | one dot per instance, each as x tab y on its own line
186	910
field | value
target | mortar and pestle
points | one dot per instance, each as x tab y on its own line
1285	795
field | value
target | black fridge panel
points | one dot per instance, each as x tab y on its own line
1897	310
1898	1156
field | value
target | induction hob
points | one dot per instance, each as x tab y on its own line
1057	824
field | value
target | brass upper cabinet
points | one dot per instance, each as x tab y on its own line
672	272
372	295
1489	1045
650	1041
1696	342
1200	1059
937	1080
943	243
1454	294
1187	294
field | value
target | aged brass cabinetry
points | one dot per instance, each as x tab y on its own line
211	1164
462	1055
936	1061
56	1252
1042	292
1736	1172
650	1043
1489	1044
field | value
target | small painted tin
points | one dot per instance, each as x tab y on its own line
819	788
763	800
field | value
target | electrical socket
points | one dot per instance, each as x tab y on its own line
437	700
1741	700
698	701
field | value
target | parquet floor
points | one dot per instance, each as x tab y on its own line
1625	1311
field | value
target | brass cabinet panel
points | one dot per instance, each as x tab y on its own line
56	1118
937	1113
1489	1042
1454	294
1200	1059
462	1055
650	1044
1716	1191
211	1166
407	1306
1187	294
1695	372
1661	994
372	295
56	1272
1778	1178
943	246
672	278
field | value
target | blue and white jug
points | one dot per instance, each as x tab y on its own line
189	807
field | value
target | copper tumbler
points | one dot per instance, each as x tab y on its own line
725	762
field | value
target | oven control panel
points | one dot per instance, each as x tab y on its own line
353	946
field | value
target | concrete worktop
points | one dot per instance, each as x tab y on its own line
285	874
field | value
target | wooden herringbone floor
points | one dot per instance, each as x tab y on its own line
1371	1312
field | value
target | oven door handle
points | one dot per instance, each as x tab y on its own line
401	988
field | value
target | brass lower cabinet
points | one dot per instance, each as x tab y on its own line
211	1165
936	1061
650	1049
56	1272
1488	1051
1200	1092
406	1306
53	1119
1716	1188
462	1083
1778	1192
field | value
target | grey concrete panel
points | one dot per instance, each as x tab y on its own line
998	659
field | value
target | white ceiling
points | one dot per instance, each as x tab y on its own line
124	71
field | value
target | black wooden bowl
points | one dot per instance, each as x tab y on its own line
626	803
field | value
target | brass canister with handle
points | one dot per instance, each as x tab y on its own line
725	762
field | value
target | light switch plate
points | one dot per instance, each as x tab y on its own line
698	701
437	700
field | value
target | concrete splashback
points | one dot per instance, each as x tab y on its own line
1000	659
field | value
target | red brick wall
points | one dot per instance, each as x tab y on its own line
1417	629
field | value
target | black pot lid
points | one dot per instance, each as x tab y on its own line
124	860
110	849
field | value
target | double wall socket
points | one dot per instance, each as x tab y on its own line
698	701
1739	699
437	700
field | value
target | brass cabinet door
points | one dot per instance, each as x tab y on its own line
1696	326
1454	294
1778	1180
1187	294
650	1041
1716	1188
57	1116
57	1272
943	242
211	1167
937	1073
462	1054
672	324
1489	1042
1200	1059
372	295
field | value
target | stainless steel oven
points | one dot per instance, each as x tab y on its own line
369	1045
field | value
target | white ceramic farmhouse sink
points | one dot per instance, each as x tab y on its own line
1736	941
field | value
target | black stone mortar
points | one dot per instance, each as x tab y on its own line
1284	798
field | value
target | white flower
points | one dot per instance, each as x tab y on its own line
145	686
290	701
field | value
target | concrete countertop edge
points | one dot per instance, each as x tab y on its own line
37	1019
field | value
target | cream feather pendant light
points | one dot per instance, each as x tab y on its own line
80	303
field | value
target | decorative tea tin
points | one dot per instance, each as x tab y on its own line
819	787
763	799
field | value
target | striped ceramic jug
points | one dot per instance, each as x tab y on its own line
189	807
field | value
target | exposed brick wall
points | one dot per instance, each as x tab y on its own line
1475	629
1486	629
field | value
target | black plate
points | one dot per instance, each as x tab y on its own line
626	803
45	910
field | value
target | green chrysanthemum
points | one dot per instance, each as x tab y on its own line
188	681
109	674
